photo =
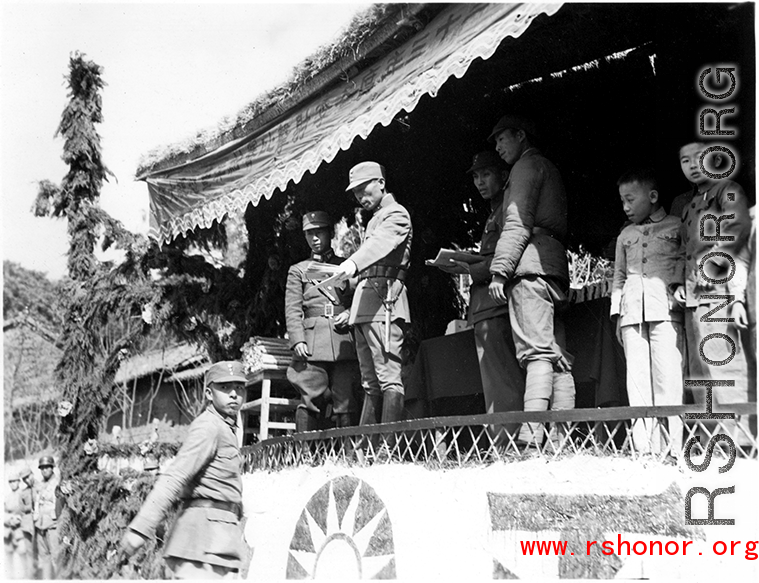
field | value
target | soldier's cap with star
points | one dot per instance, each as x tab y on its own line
226	371
316	220
487	159
364	172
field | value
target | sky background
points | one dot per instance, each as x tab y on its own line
171	70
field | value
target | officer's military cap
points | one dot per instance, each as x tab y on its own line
226	371
364	172
487	159
25	472
316	220
513	121
12	475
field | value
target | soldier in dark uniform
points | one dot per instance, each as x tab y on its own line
380	307
324	367
502	377
529	269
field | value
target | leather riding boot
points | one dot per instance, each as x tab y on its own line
371	410
305	420
392	406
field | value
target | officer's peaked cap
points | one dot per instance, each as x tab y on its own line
364	172
226	371
316	220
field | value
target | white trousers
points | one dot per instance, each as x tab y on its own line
654	354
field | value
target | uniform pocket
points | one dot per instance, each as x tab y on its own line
309	326
224	535
630	240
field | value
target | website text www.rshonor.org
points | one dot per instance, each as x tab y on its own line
623	547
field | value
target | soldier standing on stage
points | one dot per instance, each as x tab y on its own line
324	359
380	305
502	378
530	269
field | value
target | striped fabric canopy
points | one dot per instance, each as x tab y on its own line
202	190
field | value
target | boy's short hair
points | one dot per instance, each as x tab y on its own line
645	176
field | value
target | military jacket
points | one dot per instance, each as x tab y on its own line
387	242
44	503
308	311
724	197
535	221
208	466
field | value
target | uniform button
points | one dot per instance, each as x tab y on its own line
645	232
645	275
693	205
645	244
644	260
688	257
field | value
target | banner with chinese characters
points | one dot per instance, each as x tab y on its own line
225	181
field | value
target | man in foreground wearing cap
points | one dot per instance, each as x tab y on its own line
45	519
530	269
324	359
207	539
380	305
18	547
502	378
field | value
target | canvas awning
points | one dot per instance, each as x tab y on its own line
224	181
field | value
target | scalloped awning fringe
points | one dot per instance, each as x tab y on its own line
198	192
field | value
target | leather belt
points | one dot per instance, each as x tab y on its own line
325	311
388	271
232	507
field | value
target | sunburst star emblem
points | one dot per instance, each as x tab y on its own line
344	532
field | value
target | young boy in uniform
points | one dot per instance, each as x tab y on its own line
502	378
647	266
324	359
380	304
207	540
530	269
702	207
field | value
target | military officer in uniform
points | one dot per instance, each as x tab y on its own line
380	305
324	367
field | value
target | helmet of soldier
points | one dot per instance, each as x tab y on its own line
46	461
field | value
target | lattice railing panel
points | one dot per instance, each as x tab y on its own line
482	439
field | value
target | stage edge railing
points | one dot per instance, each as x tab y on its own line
479	439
